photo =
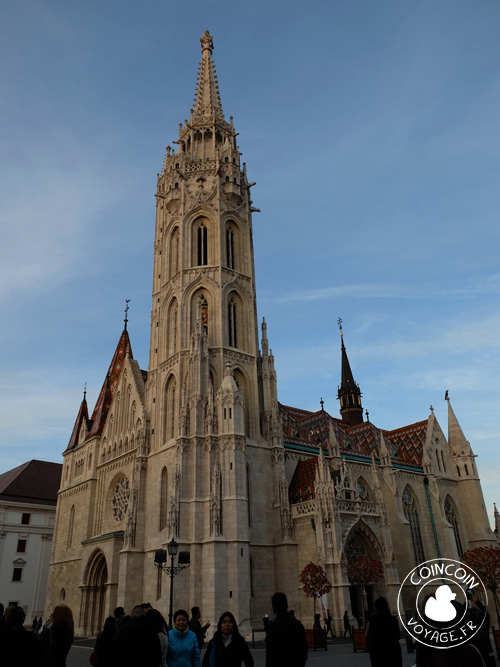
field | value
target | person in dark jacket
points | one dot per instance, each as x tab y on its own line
136	644
227	648
383	637
18	648
56	638
196	627
103	643
286	644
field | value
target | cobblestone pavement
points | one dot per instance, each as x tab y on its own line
339	654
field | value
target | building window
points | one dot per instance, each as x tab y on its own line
25	519
230	249
231	319
163	499
17	574
410	511
21	546
202	245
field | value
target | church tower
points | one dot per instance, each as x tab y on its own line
215	438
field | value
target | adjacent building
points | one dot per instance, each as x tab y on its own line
28	496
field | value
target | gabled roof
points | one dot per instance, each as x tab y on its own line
108	388
34	482
408	443
83	414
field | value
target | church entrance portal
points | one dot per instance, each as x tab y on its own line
94	595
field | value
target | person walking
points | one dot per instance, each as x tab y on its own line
227	648
328	623
196	627
183	650
347	624
286	644
56	638
383	635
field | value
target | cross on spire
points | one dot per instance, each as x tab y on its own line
127	301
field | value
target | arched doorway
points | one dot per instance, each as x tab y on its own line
94	594
361	541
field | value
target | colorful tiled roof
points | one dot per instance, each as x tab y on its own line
311	429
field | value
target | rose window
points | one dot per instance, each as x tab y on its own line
121	495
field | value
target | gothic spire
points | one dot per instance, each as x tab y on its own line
82	417
207	102
349	393
456	437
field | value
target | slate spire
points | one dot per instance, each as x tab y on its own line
349	393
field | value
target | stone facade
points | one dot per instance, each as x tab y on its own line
199	450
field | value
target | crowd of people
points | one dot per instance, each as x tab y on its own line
48	648
144	640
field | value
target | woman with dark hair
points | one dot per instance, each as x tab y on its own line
383	635
227	648
159	625
103	643
182	648
57	637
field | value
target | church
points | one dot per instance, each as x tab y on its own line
198	448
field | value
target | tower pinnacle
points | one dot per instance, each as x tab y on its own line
349	393
207	102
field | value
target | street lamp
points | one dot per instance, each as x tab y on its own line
172	570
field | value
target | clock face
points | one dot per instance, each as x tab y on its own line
120	500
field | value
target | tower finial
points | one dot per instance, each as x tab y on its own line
127	301
85	391
322	403
339	322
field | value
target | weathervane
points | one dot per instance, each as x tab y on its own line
339	322
127	301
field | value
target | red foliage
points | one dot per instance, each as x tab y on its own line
365	570
485	561
314	581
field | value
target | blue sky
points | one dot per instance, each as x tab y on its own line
372	130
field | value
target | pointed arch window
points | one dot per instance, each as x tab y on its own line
451	517
202	236
71	525
230	248
172	342
170	404
411	513
163	499
232	324
174	252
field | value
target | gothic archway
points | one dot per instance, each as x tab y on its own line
362	541
94	594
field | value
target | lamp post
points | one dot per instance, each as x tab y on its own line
172	569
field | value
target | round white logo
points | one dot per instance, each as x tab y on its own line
441	615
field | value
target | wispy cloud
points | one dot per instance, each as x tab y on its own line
485	285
